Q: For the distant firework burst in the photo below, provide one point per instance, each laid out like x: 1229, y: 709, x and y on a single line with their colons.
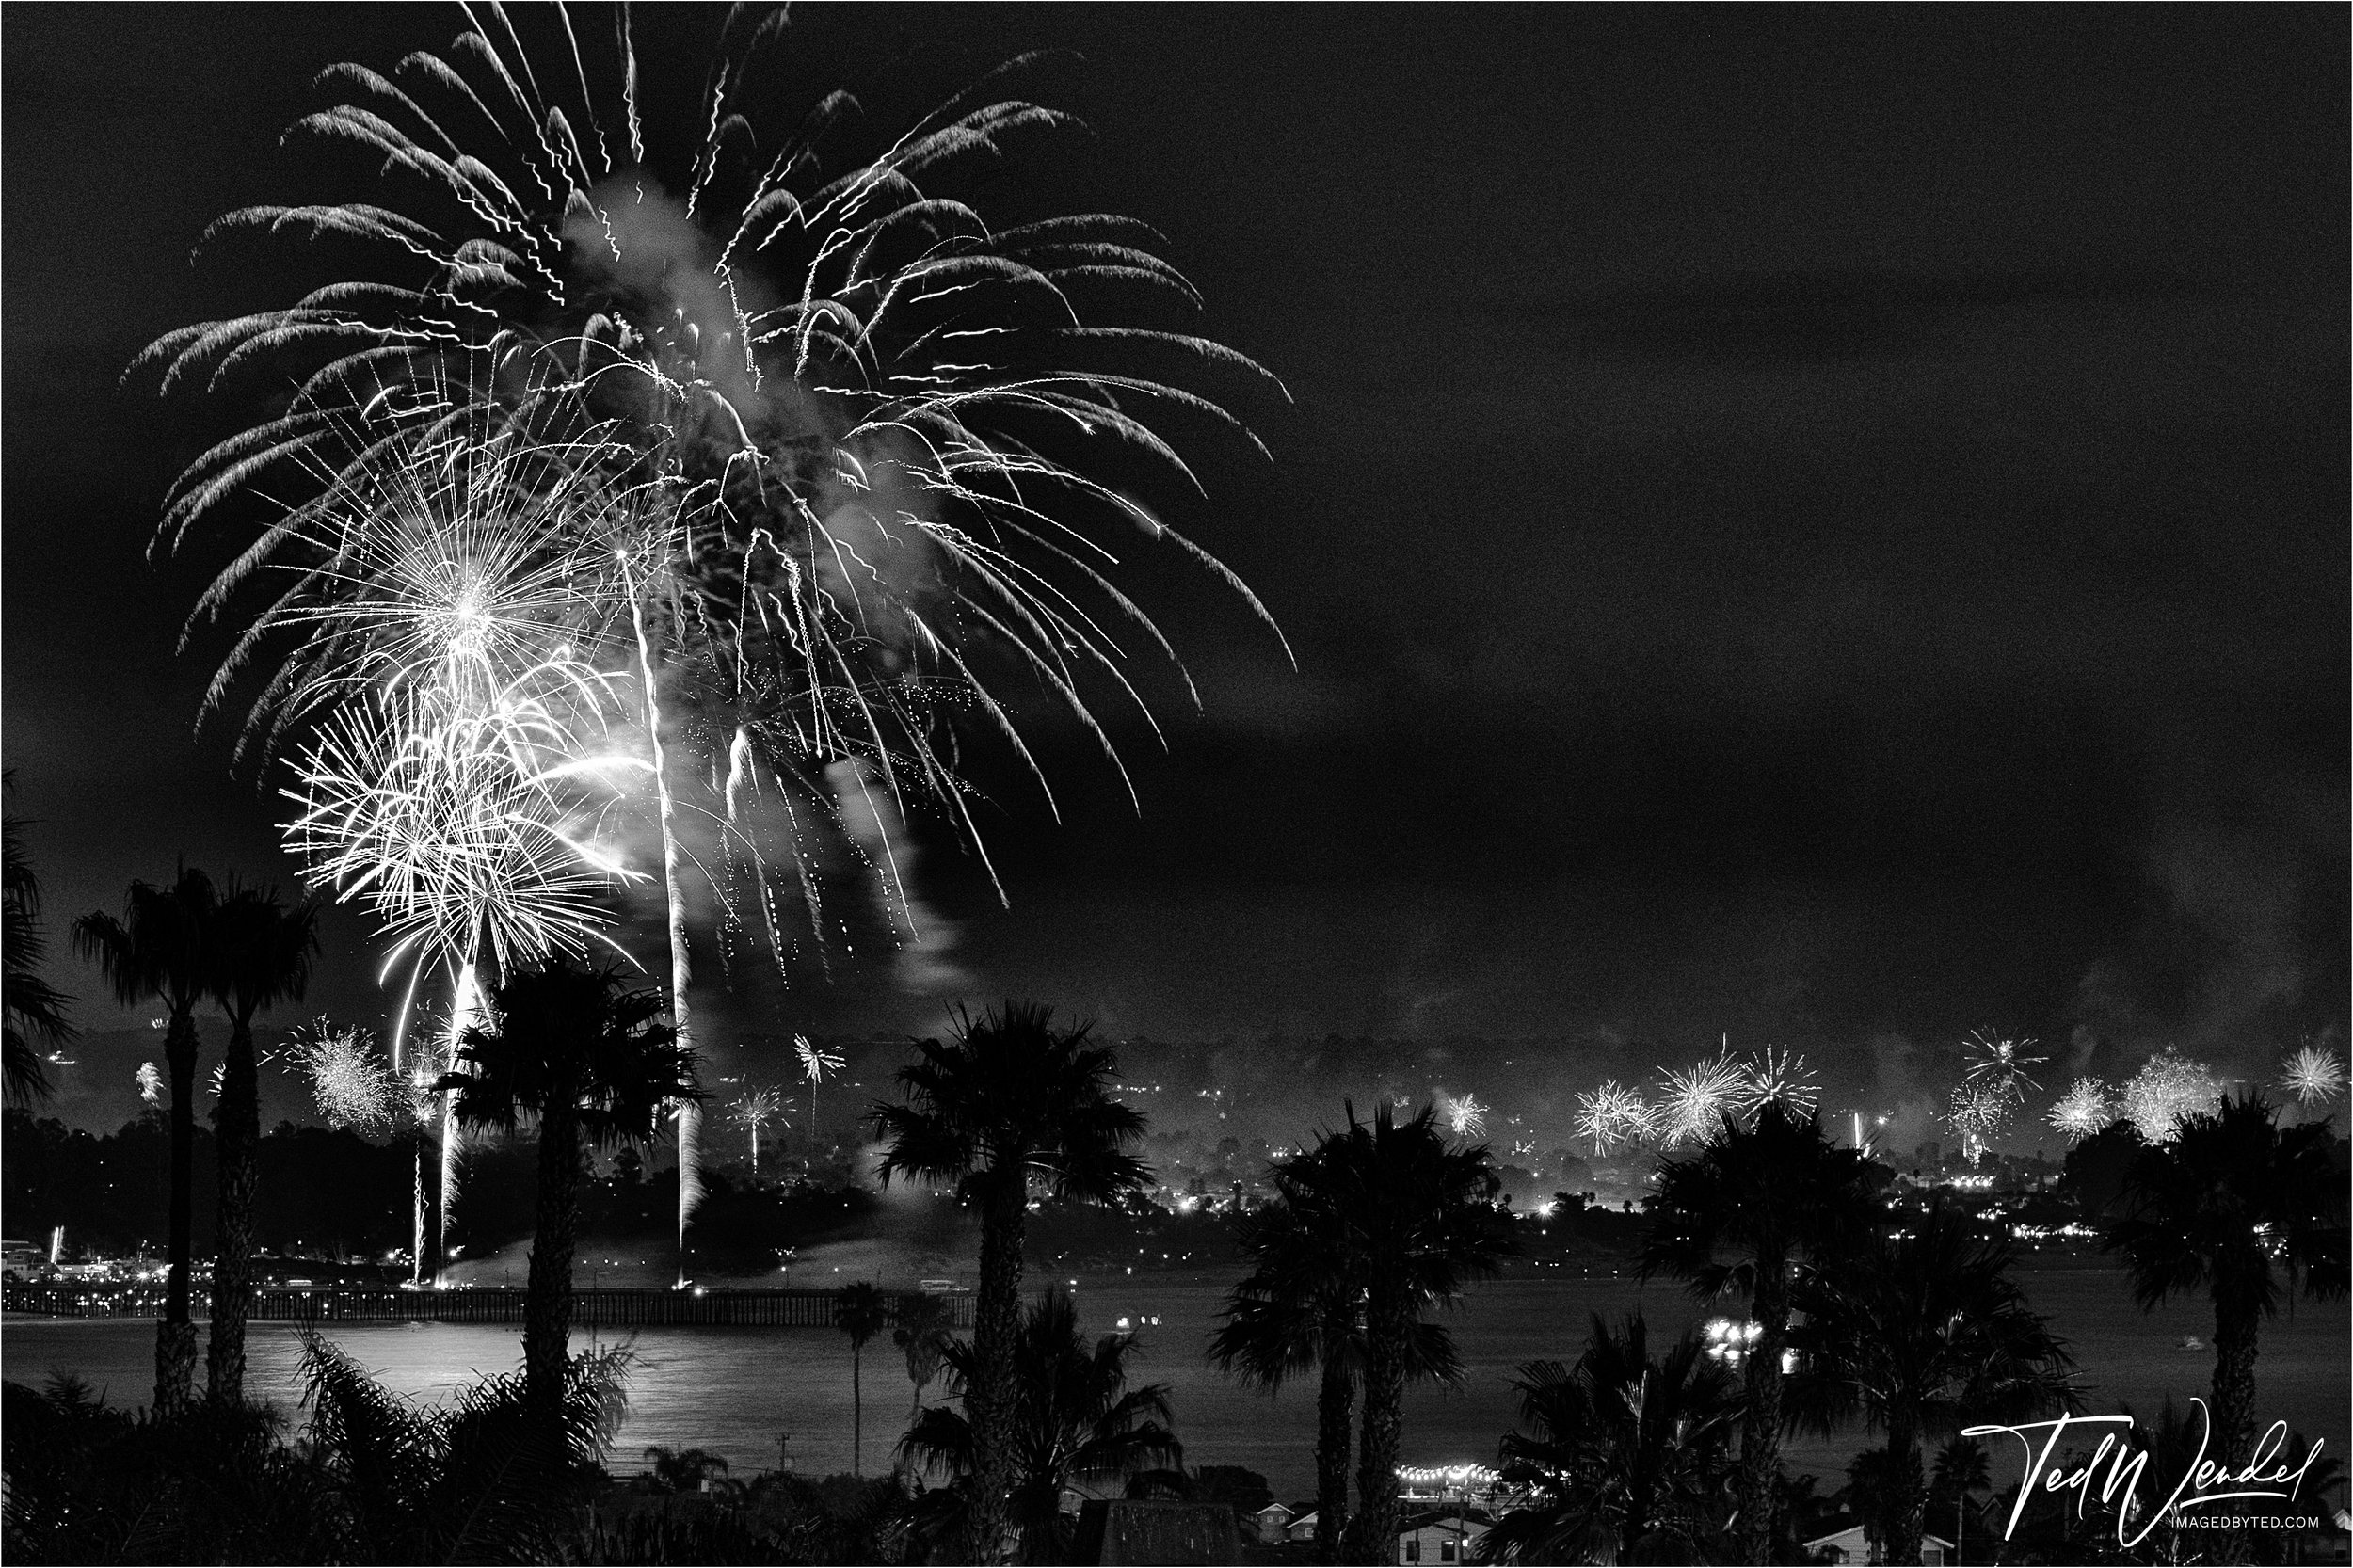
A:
x: 351, y: 1081
x: 2165, y: 1091
x: 2001, y: 1065
x: 1977, y: 1115
x: 1614, y: 1115
x: 2085, y: 1109
x: 150, y: 1082
x: 1465, y: 1115
x: 1777, y: 1076
x: 2315, y: 1075
x: 1694, y: 1101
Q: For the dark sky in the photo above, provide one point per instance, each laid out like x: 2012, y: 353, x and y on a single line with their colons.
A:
x: 1824, y: 525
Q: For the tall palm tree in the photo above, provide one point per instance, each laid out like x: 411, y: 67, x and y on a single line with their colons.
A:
x: 1072, y: 1417
x: 860, y: 1313
x: 1626, y: 1453
x: 1963, y: 1471
x: 2237, y: 1207
x: 1416, y: 1219
x: 921, y: 1332
x: 1304, y: 1307
x: 161, y: 949
x: 1916, y: 1333
x: 261, y: 956
x: 1007, y: 1103
x: 34, y: 1009
x: 1775, y: 1194
x: 593, y: 1064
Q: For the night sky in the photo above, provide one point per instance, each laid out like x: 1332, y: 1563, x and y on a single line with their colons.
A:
x: 1823, y: 524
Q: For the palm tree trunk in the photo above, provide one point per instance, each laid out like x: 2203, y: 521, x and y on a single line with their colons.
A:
x: 858, y: 1415
x: 1335, y: 1401
x: 989, y: 1404
x: 175, y: 1335
x: 1372, y: 1533
x: 547, y: 1299
x: 1907, y: 1498
x: 1760, y: 1426
x: 237, y: 1137
x: 2235, y: 1326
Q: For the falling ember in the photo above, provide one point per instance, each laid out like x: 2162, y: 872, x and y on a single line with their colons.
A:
x: 1613, y: 1116
x: 1465, y: 1116
x: 2085, y: 1109
x: 2314, y: 1076
x: 1777, y: 1076
x: 1692, y: 1103
x: 2164, y: 1092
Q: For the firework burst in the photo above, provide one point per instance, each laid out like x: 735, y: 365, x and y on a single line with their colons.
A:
x: 1777, y: 1076
x: 2165, y: 1091
x: 1694, y: 1101
x: 2315, y: 1075
x: 2001, y: 1065
x: 1976, y: 1114
x: 753, y: 1113
x: 352, y: 1083
x: 2084, y: 1110
x: 1465, y: 1116
x: 150, y: 1082
x: 1613, y: 1116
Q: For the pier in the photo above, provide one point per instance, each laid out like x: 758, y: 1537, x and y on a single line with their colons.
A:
x: 700, y: 1306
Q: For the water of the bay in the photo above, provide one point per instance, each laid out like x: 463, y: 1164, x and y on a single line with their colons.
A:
x: 737, y: 1392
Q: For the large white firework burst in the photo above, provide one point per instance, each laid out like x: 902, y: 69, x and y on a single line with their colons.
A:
x: 1777, y: 1076
x: 2167, y: 1090
x: 1613, y: 1116
x: 2315, y: 1075
x: 1462, y: 1113
x: 2086, y: 1108
x: 1693, y: 1101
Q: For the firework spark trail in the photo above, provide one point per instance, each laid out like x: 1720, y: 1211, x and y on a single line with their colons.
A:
x: 2165, y: 1091
x: 1614, y: 1114
x: 1693, y: 1102
x: 2085, y: 1109
x: 1777, y: 1076
x: 2315, y: 1075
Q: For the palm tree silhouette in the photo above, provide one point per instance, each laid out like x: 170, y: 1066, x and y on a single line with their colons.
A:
x: 1072, y: 1417
x: 34, y: 1009
x: 593, y: 1064
x: 1626, y: 1453
x: 860, y: 1312
x: 2237, y: 1207
x: 1302, y: 1306
x: 161, y: 948
x: 1916, y: 1333
x: 922, y: 1335
x: 1778, y: 1192
x: 261, y: 954
x: 1963, y: 1471
x: 1416, y: 1219
x: 1007, y: 1102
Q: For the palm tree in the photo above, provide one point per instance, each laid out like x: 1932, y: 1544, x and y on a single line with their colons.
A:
x: 922, y: 1336
x: 35, y: 1009
x: 261, y: 954
x: 1627, y: 1454
x: 161, y: 948
x: 1963, y: 1471
x: 2238, y: 1207
x: 1008, y: 1102
x: 593, y: 1064
x: 1778, y: 1192
x: 1916, y: 1333
x: 860, y: 1312
x: 1072, y: 1417
x: 1304, y: 1307
x: 1416, y: 1219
